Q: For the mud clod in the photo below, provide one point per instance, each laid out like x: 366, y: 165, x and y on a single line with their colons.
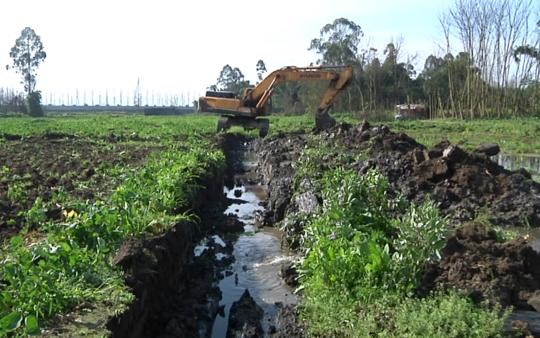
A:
x: 488, y: 149
x: 245, y: 318
x: 289, y: 274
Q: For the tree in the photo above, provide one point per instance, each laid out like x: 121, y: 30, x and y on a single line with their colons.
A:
x: 338, y: 43
x: 27, y: 54
x: 231, y: 79
x: 261, y: 69
x: 489, y: 32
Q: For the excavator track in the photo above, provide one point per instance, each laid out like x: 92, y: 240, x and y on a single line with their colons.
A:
x: 226, y: 122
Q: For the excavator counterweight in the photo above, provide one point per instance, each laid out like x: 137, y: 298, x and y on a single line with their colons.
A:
x: 248, y: 109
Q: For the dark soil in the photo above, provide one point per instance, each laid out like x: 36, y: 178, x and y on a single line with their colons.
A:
x: 45, y: 166
x: 475, y: 262
x: 245, y: 318
x: 466, y: 185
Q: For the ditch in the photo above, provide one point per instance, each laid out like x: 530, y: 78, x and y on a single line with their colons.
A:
x: 258, y: 257
x: 205, y: 295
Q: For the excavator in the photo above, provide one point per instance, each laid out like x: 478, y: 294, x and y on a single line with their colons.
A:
x: 246, y: 110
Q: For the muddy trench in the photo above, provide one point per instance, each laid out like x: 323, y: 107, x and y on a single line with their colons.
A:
x: 221, y: 277
x: 225, y: 275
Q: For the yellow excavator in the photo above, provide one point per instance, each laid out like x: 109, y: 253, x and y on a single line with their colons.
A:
x: 246, y: 110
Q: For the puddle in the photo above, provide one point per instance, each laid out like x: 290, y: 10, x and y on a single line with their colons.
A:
x: 531, y: 163
x: 258, y: 259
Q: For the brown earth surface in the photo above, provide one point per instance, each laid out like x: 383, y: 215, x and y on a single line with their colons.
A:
x: 475, y: 261
x: 45, y: 166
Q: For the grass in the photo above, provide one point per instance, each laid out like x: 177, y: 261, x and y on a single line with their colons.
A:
x: 330, y: 314
x: 514, y: 136
x: 160, y: 128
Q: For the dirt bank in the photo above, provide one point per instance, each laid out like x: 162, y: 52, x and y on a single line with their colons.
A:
x: 171, y: 291
x: 475, y: 261
x: 468, y: 186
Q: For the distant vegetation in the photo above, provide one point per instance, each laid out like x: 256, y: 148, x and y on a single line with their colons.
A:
x: 489, y: 66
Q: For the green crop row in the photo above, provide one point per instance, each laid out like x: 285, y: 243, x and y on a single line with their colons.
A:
x: 69, y: 262
x: 123, y: 127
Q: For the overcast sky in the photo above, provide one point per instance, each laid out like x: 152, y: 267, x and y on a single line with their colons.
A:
x: 179, y: 47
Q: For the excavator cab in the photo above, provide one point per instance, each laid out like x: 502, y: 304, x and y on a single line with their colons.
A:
x: 247, y: 110
x: 222, y: 94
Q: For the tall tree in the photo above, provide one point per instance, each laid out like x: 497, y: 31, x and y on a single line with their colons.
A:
x: 338, y: 43
x: 489, y: 32
x: 27, y: 54
x: 231, y: 79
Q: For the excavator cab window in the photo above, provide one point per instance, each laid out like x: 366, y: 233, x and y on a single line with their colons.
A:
x: 225, y: 95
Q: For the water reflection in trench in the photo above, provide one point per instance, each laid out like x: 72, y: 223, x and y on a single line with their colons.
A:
x: 258, y: 258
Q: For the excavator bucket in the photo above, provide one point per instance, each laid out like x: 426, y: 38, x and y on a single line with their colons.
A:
x: 323, y: 120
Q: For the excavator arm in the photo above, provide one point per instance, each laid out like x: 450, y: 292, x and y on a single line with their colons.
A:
x: 254, y: 101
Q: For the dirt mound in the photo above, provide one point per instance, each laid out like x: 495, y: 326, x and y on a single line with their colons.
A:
x: 276, y: 157
x: 474, y: 261
x: 466, y: 184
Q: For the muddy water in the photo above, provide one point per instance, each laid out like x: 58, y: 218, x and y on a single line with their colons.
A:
x: 514, y: 162
x: 258, y: 259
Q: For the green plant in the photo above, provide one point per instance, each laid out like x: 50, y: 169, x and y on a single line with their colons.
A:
x: 445, y: 315
x: 33, y: 104
x: 365, y: 255
x: 421, y: 234
x: 36, y: 214
x: 16, y: 192
x: 69, y: 260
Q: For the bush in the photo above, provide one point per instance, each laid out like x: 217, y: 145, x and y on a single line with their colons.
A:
x: 359, y: 243
x: 365, y: 254
x: 33, y: 104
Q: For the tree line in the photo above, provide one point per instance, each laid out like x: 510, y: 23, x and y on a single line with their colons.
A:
x: 495, y: 73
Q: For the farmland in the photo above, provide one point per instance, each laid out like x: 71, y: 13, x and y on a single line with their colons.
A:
x: 100, y: 217
x: 73, y: 190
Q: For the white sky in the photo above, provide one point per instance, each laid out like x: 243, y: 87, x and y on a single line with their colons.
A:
x: 179, y: 47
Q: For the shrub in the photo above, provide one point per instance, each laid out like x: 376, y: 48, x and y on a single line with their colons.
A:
x: 33, y: 104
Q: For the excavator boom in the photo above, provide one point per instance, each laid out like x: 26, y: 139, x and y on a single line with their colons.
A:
x: 247, y: 109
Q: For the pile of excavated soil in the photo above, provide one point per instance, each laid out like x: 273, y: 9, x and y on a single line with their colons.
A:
x: 474, y: 261
x: 468, y: 186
